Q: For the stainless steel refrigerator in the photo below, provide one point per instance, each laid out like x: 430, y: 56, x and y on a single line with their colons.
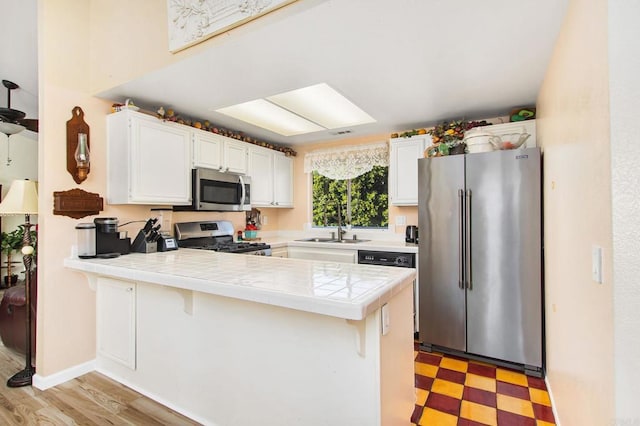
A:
x: 480, y: 256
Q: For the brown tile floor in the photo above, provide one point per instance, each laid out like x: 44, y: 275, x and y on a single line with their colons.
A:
x: 455, y: 391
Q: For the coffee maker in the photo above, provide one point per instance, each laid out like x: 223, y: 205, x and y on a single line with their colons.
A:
x: 108, y: 241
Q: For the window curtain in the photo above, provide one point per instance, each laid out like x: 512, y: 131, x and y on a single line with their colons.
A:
x: 347, y: 162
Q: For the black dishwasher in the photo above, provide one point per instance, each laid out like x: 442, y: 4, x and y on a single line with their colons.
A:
x: 387, y: 258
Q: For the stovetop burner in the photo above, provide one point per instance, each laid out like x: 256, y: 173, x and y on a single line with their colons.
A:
x: 216, y: 236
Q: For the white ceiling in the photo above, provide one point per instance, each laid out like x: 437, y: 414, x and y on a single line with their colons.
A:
x: 407, y: 63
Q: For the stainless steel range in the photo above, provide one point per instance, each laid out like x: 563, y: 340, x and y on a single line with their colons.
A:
x: 216, y: 235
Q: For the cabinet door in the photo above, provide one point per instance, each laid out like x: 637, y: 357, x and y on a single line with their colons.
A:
x: 207, y: 150
x: 261, y: 172
x: 116, y: 320
x: 160, y: 162
x: 283, y: 181
x: 235, y: 156
x: 403, y: 169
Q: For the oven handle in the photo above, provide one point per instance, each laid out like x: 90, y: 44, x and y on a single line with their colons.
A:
x: 244, y: 192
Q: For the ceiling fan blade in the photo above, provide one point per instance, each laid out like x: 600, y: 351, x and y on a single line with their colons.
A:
x: 30, y: 124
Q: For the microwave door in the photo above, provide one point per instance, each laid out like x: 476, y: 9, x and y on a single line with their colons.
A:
x: 243, y: 192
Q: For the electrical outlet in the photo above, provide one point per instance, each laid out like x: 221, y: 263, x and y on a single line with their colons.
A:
x: 401, y: 220
x: 385, y: 319
x: 596, y: 264
x: 265, y: 220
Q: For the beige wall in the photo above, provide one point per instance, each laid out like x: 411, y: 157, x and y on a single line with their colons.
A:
x: 573, y: 129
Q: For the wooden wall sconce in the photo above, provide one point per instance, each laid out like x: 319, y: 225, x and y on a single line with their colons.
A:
x: 78, y: 160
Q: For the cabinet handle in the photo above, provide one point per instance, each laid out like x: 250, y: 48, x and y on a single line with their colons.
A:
x: 129, y: 289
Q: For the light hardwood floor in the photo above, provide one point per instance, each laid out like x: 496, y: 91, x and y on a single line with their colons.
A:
x: 92, y: 399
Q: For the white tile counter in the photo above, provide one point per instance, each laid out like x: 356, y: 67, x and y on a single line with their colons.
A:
x: 336, y: 289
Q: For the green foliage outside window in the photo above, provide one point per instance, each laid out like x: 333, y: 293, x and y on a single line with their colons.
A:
x: 369, y: 200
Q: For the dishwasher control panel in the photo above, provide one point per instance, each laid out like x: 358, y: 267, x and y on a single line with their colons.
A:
x: 387, y: 258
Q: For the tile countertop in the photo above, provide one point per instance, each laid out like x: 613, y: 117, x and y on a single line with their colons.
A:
x: 375, y: 245
x: 343, y: 290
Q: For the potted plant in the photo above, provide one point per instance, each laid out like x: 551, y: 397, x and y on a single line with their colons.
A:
x: 11, y: 242
x: 447, y: 138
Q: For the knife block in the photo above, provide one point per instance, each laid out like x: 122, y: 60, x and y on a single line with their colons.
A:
x: 141, y: 245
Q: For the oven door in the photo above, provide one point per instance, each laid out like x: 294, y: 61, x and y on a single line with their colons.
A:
x: 217, y: 191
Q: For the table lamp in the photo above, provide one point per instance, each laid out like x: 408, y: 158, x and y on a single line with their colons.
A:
x: 22, y: 198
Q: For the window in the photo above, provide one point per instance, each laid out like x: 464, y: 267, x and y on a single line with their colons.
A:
x: 350, y: 185
x: 363, y: 200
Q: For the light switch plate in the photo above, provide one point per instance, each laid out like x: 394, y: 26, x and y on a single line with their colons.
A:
x: 596, y: 264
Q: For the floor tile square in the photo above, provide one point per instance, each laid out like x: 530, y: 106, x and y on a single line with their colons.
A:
x: 443, y: 403
x: 479, y: 396
x: 467, y: 422
x: 539, y: 396
x: 511, y: 419
x: 514, y: 405
x: 543, y: 412
x: 427, y: 370
x: 428, y: 358
x: 450, y: 375
x: 512, y: 390
x: 536, y: 382
x: 421, y: 396
x: 444, y: 387
x: 454, y: 364
x: 482, y: 370
x: 510, y: 376
x: 480, y: 382
x: 423, y: 382
x: 479, y: 413
x: 431, y: 417
x: 417, y: 413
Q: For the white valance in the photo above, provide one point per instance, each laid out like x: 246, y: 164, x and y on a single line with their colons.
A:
x: 347, y: 162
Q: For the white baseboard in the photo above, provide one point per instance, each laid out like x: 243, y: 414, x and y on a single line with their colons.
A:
x: 46, y: 382
x: 554, y: 407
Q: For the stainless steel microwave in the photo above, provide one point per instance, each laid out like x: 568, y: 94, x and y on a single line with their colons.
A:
x: 216, y: 191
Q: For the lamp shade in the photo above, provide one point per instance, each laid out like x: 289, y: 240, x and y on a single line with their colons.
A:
x: 22, y: 198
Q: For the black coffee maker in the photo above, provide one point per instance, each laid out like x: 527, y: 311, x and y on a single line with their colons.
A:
x: 108, y: 241
x: 411, y: 234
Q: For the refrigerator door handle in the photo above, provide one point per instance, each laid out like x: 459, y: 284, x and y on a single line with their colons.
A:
x: 468, y: 240
x: 461, y: 248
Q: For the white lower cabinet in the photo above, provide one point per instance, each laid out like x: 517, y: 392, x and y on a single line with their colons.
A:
x: 148, y: 160
x: 324, y: 254
x: 403, y: 169
x: 271, y: 175
x: 116, y: 320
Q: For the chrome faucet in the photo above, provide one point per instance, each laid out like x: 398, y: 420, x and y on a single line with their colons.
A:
x: 341, y: 231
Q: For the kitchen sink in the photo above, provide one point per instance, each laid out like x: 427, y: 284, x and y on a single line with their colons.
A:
x: 331, y: 240
x: 318, y: 240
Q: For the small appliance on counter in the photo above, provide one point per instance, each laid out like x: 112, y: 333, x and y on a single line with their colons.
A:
x: 411, y: 234
x: 108, y: 241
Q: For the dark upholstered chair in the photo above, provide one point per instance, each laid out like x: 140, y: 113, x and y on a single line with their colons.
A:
x: 13, y: 318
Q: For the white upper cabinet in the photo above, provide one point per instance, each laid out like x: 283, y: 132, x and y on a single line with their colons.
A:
x: 403, y: 169
x: 218, y: 152
x: 283, y: 180
x: 271, y: 175
x: 148, y: 161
